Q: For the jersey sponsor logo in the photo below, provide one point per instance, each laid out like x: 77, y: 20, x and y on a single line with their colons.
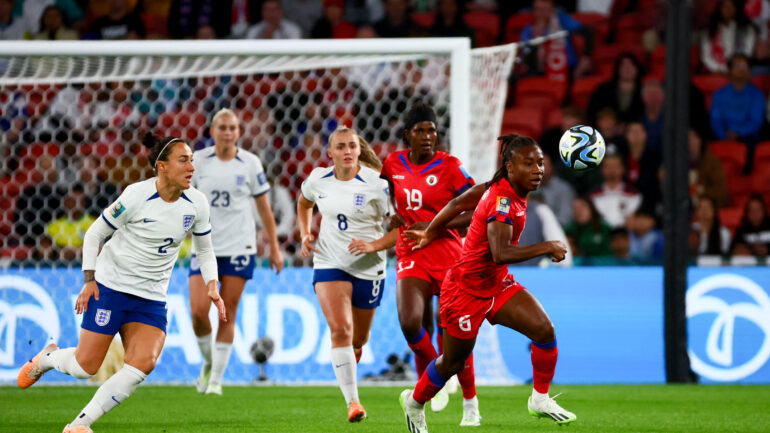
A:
x: 358, y: 201
x: 261, y: 179
x: 431, y: 180
x: 503, y: 204
x: 464, y: 323
x: 102, y: 317
x: 187, y: 221
x: 398, y: 176
x: 240, y: 180
x: 520, y: 213
x: 117, y: 209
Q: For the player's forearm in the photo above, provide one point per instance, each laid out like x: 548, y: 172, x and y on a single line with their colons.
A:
x: 451, y: 216
x: 461, y: 221
x: 89, y: 276
x: 519, y: 253
x: 304, y: 216
x: 387, y: 241
x: 268, y: 222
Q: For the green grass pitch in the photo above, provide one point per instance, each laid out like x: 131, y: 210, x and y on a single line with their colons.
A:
x: 613, y: 408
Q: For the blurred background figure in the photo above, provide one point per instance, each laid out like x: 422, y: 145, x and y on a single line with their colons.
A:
x: 708, y: 237
x: 753, y: 235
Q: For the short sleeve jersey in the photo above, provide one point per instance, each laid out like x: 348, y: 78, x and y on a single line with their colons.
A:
x: 140, y: 256
x: 230, y: 187
x: 349, y: 209
x: 476, y: 268
x: 420, y: 192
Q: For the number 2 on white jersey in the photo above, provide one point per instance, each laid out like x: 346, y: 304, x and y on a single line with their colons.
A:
x: 413, y: 199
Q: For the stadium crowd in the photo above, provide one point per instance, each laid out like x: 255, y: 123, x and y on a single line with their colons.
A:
x: 67, y: 151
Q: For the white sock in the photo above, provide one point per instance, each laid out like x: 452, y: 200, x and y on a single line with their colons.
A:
x: 344, y: 363
x: 472, y: 403
x: 538, y: 396
x: 204, y: 344
x: 219, y: 360
x: 64, y: 361
x: 112, y: 392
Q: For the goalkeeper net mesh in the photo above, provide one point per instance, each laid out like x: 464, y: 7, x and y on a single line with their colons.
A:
x: 71, y: 141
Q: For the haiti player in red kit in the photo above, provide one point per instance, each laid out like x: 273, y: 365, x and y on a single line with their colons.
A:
x: 479, y: 286
x: 423, y: 180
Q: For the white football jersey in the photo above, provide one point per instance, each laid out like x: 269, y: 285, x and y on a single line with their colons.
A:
x: 140, y: 256
x: 231, y: 187
x: 349, y: 209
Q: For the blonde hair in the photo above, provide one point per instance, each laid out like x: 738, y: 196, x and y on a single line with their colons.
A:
x: 367, y: 157
x: 222, y: 113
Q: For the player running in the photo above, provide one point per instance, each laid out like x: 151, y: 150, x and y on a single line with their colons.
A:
x: 126, y: 284
x: 422, y: 181
x: 231, y: 178
x: 348, y: 273
x: 479, y: 287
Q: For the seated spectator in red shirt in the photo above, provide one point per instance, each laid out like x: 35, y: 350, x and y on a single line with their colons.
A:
x: 753, y: 235
x: 332, y: 24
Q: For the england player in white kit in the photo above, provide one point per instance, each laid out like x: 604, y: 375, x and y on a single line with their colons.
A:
x: 126, y: 284
x: 232, y: 180
x: 348, y: 275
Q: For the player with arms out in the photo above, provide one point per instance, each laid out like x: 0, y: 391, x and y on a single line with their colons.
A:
x: 126, y: 284
x: 349, y: 257
x: 231, y: 178
x: 422, y: 181
x: 479, y: 287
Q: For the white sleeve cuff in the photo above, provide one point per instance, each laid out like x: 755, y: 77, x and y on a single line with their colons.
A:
x: 206, y: 258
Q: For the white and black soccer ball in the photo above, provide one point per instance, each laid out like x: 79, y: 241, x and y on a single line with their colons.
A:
x: 581, y: 148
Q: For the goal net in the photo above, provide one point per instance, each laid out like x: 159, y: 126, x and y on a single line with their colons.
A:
x: 73, y: 114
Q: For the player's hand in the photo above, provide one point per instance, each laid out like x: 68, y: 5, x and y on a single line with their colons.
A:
x: 418, y: 239
x: 358, y: 247
x: 395, y: 221
x: 276, y: 260
x: 89, y: 289
x: 307, y: 245
x: 216, y: 299
x: 558, y: 251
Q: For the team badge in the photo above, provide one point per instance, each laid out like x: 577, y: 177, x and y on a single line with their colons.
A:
x: 261, y: 179
x: 503, y: 204
x: 117, y: 209
x: 102, y: 317
x: 358, y: 201
x: 240, y: 180
x: 187, y: 221
x: 431, y: 179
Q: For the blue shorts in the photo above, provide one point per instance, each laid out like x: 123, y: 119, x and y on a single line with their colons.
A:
x: 366, y: 293
x: 237, y: 266
x: 114, y: 308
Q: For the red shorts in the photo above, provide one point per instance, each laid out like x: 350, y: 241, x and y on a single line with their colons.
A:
x: 410, y: 267
x: 462, y: 313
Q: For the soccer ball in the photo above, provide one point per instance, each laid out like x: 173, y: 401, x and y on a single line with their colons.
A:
x: 581, y: 148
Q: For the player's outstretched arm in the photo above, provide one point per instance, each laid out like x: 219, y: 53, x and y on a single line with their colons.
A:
x: 358, y: 246
x: 96, y: 233
x: 304, y: 217
x: 504, y: 252
x: 268, y: 222
x: 204, y: 248
x: 451, y: 216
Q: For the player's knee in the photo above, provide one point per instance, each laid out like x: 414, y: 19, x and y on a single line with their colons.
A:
x: 342, y: 334
x: 90, y: 366
x: 544, y: 332
x: 411, y: 328
x: 449, y: 367
x: 144, y: 362
x: 360, y: 340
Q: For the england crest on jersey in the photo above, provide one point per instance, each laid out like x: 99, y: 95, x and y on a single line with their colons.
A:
x: 102, y: 317
x: 359, y: 200
x: 240, y: 180
x: 187, y: 221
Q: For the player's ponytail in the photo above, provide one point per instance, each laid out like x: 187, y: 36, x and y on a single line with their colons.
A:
x: 159, y: 148
x: 510, y: 143
x: 368, y: 157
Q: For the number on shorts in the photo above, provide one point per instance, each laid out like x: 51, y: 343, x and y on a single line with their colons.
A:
x: 162, y: 249
x: 342, y: 222
x: 413, y: 199
x: 465, y: 323
x: 376, y: 288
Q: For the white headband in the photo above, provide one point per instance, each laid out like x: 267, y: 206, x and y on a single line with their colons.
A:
x: 164, y: 148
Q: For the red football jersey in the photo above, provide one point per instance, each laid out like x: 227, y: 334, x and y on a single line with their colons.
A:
x: 421, y: 191
x: 480, y: 275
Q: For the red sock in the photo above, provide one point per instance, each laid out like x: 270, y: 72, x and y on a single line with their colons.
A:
x: 424, y: 352
x: 467, y: 379
x: 543, y: 365
x: 429, y: 384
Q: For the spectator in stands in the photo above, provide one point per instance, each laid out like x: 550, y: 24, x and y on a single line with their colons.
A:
x: 32, y: 11
x: 623, y: 93
x: 556, y: 58
x: 708, y: 236
x: 206, y: 32
x: 612, y: 131
x: 558, y: 193
x: 332, y: 24
x: 121, y: 22
x: 549, y: 141
x: 738, y: 109
x: 588, y: 234
x: 273, y: 25
x: 653, y: 97
x: 14, y: 117
x: 11, y: 27
x: 729, y: 32
x: 45, y: 252
x: 99, y: 191
x: 615, y: 199
x: 542, y: 226
x: 706, y: 175
x: 646, y: 241
x: 306, y: 13
x: 53, y: 27
x: 39, y: 204
x: 68, y: 230
x: 186, y: 18
x: 364, y: 12
x: 642, y: 164
x: 620, y: 244
x: 753, y: 235
x: 449, y: 21
x: 397, y: 22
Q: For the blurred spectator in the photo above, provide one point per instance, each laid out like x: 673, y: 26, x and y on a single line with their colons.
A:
x: 614, y: 199
x: 612, y: 131
x: 99, y: 192
x: 366, y: 32
x: 52, y: 26
x: 620, y: 244
x: 306, y: 13
x: 708, y: 236
x: 396, y: 23
x: 646, y: 241
x: 11, y: 27
x: 186, y: 19
x: 549, y: 141
x: 45, y: 252
x: 68, y: 230
x: 556, y: 58
x: 706, y: 175
x: 273, y: 25
x: 653, y: 97
x: 758, y: 11
x: 14, y: 117
x: 558, y: 194
x: 449, y: 21
x: 753, y: 235
x: 729, y: 32
x: 588, y: 234
x: 331, y: 25
x: 738, y: 109
x: 206, y: 32
x: 364, y: 12
x: 623, y: 93
x: 597, y: 6
x: 121, y: 22
x: 542, y: 226
x: 39, y: 204
x: 642, y: 163
x: 485, y: 5
x: 32, y: 12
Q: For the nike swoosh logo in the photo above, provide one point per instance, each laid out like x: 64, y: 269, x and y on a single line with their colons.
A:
x: 147, y: 220
x: 341, y: 365
x: 115, y: 399
x: 371, y: 301
x: 320, y: 196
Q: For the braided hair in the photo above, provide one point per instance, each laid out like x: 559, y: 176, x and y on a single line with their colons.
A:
x: 510, y: 143
x: 160, y: 148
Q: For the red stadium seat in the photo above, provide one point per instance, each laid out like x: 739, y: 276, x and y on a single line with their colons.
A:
x: 763, y: 82
x: 545, y: 103
x: 553, y: 118
x: 524, y: 121
x: 708, y: 84
x: 730, y: 217
x: 542, y: 86
x: 424, y: 19
x: 762, y: 159
x: 598, y: 22
x: 486, y: 26
x: 515, y: 25
x: 732, y: 154
x: 583, y: 88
